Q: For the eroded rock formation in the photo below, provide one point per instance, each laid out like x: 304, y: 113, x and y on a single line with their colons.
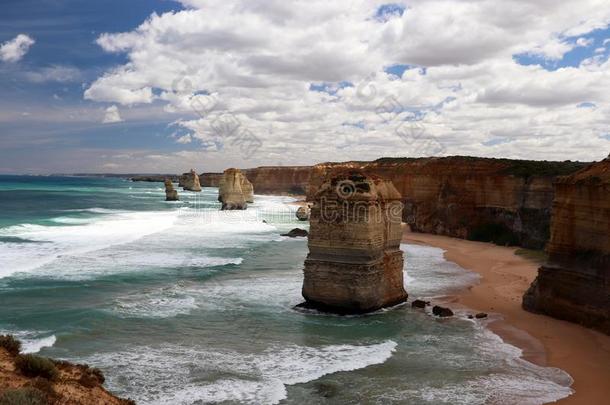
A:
x: 495, y: 200
x: 190, y: 181
x: 234, y: 190
x: 170, y: 193
x: 575, y: 282
x: 354, y: 264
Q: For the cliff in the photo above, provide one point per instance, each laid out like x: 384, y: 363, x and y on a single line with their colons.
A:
x: 575, y: 282
x: 31, y: 379
x: 190, y: 181
x: 354, y: 264
x: 494, y: 200
x: 234, y: 190
x: 270, y: 179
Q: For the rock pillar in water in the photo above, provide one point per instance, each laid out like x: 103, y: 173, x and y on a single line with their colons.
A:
x: 574, y: 284
x: 190, y: 181
x: 354, y: 264
x: 170, y: 193
x: 234, y: 190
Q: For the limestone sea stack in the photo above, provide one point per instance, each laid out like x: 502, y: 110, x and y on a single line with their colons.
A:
x: 354, y: 264
x: 234, y: 190
x: 190, y: 181
x: 574, y: 284
x: 170, y: 193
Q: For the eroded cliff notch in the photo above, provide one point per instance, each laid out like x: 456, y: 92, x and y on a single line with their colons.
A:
x: 354, y: 264
x: 234, y: 190
x: 575, y: 282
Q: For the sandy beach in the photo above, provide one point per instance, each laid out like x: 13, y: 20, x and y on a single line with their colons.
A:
x: 505, y: 276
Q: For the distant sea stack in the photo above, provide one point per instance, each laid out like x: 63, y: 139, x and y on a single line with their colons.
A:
x: 234, y: 190
x: 354, y: 264
x: 170, y: 193
x: 190, y: 181
x: 574, y: 284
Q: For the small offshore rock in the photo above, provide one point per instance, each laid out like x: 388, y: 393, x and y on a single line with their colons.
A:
x: 296, y: 233
x: 442, y: 311
x: 481, y: 315
x: 420, y: 304
x: 303, y: 214
x: 470, y: 316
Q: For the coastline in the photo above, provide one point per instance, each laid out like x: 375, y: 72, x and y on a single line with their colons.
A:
x: 505, y: 276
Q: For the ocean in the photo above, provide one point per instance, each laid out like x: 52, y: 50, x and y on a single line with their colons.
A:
x: 179, y: 303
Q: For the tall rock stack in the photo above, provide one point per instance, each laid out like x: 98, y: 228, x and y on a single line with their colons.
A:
x: 170, y: 193
x: 354, y: 264
x: 575, y: 282
x: 190, y: 181
x: 234, y: 190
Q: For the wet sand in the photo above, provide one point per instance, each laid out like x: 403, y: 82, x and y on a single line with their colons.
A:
x: 505, y: 276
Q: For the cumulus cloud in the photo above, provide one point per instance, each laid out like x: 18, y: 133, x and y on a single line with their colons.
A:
x: 309, y: 76
x: 15, y: 49
x: 112, y: 115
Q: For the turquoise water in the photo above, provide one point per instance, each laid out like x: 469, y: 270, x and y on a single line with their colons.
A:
x: 179, y: 303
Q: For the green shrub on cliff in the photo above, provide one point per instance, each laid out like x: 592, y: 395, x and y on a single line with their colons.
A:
x: 31, y: 365
x: 23, y: 396
x: 10, y: 344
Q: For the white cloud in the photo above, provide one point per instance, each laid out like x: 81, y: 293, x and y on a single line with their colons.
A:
x: 585, y: 42
x: 251, y: 64
x: 56, y: 73
x: 112, y: 115
x: 16, y: 48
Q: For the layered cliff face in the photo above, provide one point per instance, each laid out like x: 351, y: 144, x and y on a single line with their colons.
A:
x: 234, y: 190
x: 170, y: 193
x: 354, y: 263
x: 496, y: 200
x: 575, y: 282
x: 190, y: 181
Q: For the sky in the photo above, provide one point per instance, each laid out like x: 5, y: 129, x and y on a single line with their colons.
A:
x: 153, y: 86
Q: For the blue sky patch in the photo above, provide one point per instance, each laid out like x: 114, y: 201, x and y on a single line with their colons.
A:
x: 329, y: 88
x: 585, y: 46
x: 399, y: 69
x: 388, y: 11
x: 587, y: 105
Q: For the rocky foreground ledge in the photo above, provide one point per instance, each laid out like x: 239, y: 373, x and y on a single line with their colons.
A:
x: 35, y: 380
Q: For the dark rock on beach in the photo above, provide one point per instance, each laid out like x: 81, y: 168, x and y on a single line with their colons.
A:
x: 420, y: 304
x: 442, y: 311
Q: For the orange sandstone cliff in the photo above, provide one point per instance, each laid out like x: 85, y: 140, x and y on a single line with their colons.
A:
x: 575, y: 282
x: 496, y: 200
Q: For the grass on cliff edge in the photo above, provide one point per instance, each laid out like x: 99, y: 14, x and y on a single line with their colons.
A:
x: 538, y: 256
x: 31, y: 365
x: 10, y: 344
x: 23, y: 396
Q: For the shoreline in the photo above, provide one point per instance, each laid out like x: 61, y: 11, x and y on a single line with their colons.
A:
x: 581, y: 352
